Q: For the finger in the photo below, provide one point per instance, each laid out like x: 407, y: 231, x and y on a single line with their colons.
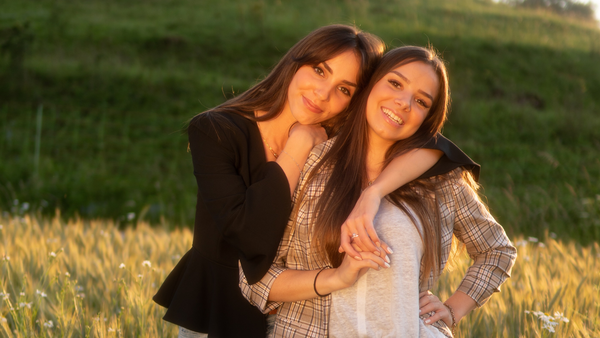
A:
x: 424, y: 293
x: 366, y: 244
x: 386, y: 248
x: 437, y: 316
x: 431, y: 307
x: 373, y: 257
x: 356, y: 247
x: 345, y: 243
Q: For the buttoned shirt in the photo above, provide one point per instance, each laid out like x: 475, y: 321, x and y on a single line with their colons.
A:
x: 462, y: 214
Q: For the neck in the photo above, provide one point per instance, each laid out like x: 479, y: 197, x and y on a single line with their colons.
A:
x: 375, y: 157
x: 275, y: 131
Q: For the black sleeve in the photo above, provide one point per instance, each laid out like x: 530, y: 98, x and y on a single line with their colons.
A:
x: 250, y: 216
x: 453, y: 158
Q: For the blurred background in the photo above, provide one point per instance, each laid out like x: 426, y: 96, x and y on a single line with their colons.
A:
x: 94, y: 96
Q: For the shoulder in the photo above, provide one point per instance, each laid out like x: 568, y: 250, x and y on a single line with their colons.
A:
x: 317, y: 153
x: 221, y: 124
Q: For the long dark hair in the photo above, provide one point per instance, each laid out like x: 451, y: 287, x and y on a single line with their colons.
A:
x: 322, y: 44
x: 345, y: 163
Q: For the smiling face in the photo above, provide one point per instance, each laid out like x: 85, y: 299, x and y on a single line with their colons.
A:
x: 400, y: 101
x: 320, y: 92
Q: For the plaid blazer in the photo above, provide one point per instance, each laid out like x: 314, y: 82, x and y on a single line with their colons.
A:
x: 462, y: 215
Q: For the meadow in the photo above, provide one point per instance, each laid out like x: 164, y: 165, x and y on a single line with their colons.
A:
x: 90, y: 279
x: 95, y: 94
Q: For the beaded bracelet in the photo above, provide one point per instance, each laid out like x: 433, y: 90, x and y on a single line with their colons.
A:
x: 315, y: 283
x: 453, y: 318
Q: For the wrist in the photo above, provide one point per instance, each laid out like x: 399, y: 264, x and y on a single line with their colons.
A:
x: 375, y: 190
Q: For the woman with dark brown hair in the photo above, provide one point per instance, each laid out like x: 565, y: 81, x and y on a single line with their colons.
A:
x: 403, y: 107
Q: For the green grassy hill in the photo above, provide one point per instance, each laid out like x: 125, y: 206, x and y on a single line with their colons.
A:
x: 94, y: 95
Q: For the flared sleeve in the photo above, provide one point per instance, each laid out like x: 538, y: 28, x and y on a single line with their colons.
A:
x: 249, y: 210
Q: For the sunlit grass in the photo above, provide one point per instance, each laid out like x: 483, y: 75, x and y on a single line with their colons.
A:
x: 89, y: 279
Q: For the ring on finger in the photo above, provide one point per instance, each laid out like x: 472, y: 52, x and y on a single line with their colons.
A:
x: 354, y: 235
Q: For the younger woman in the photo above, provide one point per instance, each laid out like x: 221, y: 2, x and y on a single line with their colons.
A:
x: 403, y: 107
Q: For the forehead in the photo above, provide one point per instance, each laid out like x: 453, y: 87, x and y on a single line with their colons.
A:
x: 419, y: 74
x: 345, y: 65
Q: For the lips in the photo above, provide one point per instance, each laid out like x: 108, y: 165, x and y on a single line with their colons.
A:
x: 311, y: 106
x: 392, y: 116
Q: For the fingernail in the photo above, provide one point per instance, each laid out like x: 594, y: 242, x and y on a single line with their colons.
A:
x: 386, y: 265
x: 389, y: 250
x: 426, y: 321
x: 387, y: 259
x: 378, y: 268
x: 419, y: 310
x: 377, y: 253
x: 358, y: 258
x: 378, y: 244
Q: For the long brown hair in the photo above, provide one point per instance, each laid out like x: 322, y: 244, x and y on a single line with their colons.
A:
x: 322, y: 44
x: 345, y: 164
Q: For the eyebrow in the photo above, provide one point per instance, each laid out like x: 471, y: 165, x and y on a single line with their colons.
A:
x: 408, y: 81
x: 331, y: 72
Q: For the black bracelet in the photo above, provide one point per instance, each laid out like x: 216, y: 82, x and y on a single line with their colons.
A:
x: 315, y: 283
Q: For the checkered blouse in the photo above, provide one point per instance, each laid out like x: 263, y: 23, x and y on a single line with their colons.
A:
x: 462, y: 214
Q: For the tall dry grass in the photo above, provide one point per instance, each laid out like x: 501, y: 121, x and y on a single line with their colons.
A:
x: 90, y: 279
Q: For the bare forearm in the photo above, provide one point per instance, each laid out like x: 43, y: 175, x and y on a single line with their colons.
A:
x: 404, y: 169
x: 296, y: 285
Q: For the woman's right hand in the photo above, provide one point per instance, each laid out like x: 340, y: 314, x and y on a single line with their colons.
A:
x: 311, y: 133
x: 351, y: 269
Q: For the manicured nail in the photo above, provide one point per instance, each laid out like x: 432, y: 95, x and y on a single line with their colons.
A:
x: 358, y: 258
x: 386, y: 265
x: 387, y: 259
x: 389, y: 250
x: 426, y: 321
x: 377, y: 253
x: 419, y: 310
x: 378, y: 244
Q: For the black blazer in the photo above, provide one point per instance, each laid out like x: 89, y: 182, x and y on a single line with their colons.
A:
x: 242, y: 208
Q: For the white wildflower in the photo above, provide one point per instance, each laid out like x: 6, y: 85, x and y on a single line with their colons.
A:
x: 41, y: 293
x: 0, y: 226
x: 532, y: 239
x: 140, y: 276
x: 553, y: 235
x: 21, y: 305
x: 122, y: 266
x: 175, y: 257
x: 67, y: 274
x: 130, y: 216
x: 24, y: 207
x: 521, y: 242
x: 6, y: 258
x: 49, y: 324
x: 81, y: 295
x: 96, y: 319
x: 78, y: 288
x: 4, y: 295
x: 110, y: 329
x: 147, y: 263
x: 541, y: 245
x: 22, y: 294
x: 2, y: 319
x: 52, y: 254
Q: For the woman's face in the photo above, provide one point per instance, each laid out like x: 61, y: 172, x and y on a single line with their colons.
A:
x: 318, y: 93
x: 400, y: 101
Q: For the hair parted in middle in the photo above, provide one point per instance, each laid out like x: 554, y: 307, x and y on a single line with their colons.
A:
x: 320, y: 45
x: 344, y: 166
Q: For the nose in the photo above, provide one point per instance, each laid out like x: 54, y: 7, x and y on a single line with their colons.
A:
x: 404, y: 102
x: 323, y: 91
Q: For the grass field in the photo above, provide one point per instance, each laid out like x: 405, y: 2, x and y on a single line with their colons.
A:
x: 90, y: 279
x: 94, y: 95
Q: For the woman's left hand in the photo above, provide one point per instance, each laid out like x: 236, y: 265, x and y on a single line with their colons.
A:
x: 429, y: 302
x: 358, y: 229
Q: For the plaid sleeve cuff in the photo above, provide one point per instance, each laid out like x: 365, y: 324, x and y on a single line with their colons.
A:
x: 258, y: 293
